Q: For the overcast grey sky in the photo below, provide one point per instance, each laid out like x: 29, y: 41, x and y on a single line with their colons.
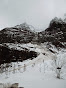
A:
x: 35, y: 12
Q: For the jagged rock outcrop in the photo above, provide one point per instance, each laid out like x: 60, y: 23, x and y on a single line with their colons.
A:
x: 55, y: 33
x: 21, y: 34
x: 24, y: 33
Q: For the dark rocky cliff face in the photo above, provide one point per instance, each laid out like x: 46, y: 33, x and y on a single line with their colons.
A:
x: 20, y: 34
x: 8, y: 55
x: 55, y: 33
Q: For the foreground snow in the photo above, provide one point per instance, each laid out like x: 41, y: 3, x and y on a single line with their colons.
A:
x: 35, y: 77
x: 38, y: 73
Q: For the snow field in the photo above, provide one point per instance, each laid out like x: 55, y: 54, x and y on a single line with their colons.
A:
x: 38, y: 73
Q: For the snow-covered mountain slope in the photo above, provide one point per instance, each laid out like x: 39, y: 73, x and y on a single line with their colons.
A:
x: 42, y: 63
x: 25, y: 25
x: 37, y: 73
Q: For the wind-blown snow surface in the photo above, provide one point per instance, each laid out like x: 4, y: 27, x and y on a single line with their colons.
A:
x: 37, y: 73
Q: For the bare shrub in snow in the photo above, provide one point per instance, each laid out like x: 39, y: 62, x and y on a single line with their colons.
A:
x: 24, y: 67
x: 44, y: 65
x: 14, y: 68
x: 40, y: 68
x: 59, y: 63
x: 33, y: 64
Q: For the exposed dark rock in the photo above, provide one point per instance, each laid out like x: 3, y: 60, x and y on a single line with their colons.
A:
x: 55, y: 33
x: 52, y: 51
x: 8, y: 55
x: 20, y: 34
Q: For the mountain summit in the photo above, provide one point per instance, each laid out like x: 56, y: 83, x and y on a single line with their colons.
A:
x: 21, y: 33
x: 55, y: 33
x: 24, y: 33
